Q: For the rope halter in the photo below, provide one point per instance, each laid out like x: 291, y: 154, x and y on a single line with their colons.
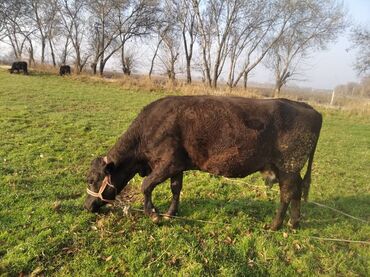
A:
x: 106, y: 182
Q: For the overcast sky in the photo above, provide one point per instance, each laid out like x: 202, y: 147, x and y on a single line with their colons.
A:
x: 332, y: 67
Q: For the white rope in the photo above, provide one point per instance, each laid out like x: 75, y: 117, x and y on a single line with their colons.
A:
x: 338, y: 211
x: 339, y: 240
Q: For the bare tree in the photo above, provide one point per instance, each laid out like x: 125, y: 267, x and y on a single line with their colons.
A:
x: 260, y: 24
x: 103, y: 42
x: 170, y: 46
x: 183, y: 13
x: 54, y: 28
x: 312, y: 25
x: 361, y: 39
x: 16, y: 25
x: 169, y: 31
x: 40, y: 16
x: 134, y: 19
x: 215, y: 21
x: 72, y: 14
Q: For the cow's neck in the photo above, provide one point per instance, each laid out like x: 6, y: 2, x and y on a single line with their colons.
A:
x: 125, y: 149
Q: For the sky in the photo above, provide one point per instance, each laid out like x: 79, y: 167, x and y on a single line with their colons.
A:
x: 332, y: 67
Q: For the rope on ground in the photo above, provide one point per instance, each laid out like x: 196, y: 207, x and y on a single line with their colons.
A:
x: 338, y: 240
x: 338, y: 211
x: 313, y: 202
x: 127, y: 208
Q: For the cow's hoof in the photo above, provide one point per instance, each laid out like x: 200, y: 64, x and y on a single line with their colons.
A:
x: 274, y: 227
x: 168, y: 216
x: 294, y: 225
x: 155, y: 218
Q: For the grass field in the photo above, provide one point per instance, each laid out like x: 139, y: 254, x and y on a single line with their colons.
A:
x: 52, y: 127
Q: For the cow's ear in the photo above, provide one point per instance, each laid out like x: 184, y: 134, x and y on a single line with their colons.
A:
x: 109, y: 167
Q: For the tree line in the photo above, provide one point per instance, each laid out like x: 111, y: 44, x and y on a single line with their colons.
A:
x: 213, y: 37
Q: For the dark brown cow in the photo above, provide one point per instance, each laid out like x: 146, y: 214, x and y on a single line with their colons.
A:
x: 64, y: 70
x: 19, y: 66
x: 227, y: 136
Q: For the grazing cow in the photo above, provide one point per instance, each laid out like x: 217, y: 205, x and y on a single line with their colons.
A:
x: 226, y: 136
x: 17, y: 66
x: 64, y: 69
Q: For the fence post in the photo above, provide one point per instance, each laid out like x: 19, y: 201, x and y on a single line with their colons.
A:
x: 332, y: 98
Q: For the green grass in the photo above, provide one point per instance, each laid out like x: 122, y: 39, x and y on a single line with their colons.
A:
x: 52, y: 127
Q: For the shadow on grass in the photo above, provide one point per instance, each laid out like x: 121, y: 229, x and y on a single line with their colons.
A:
x: 313, y: 216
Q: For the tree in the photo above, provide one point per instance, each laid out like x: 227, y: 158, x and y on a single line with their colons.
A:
x: 258, y: 27
x: 184, y: 14
x: 135, y: 19
x: 312, y: 25
x: 361, y: 40
x: 72, y: 13
x: 215, y: 22
x: 169, y: 33
x: 103, y: 42
x: 16, y: 26
x: 44, y: 15
x: 171, y: 45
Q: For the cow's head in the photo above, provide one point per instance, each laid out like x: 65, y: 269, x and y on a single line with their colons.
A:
x: 101, y: 188
x: 106, y: 180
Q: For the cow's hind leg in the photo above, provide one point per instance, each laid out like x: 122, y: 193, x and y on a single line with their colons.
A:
x: 289, y: 183
x: 176, y: 186
x: 295, y: 204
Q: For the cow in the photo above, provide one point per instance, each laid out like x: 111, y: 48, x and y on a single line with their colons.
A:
x: 17, y: 66
x: 224, y: 136
x: 64, y: 69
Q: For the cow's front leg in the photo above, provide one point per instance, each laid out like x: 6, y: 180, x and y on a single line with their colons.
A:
x: 157, y: 176
x: 147, y: 188
x: 176, y: 186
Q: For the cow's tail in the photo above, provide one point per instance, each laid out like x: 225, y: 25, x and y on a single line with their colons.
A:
x: 307, y: 177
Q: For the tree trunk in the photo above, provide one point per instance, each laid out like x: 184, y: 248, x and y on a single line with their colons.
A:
x: 52, y: 53
x: 31, y: 58
x: 101, y: 68
x: 207, y: 72
x: 277, y: 90
x: 153, y: 59
x: 245, y: 81
x: 93, y: 67
x: 188, y: 70
x: 65, y: 50
x: 125, y: 68
x: 78, y: 62
x: 43, y: 45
